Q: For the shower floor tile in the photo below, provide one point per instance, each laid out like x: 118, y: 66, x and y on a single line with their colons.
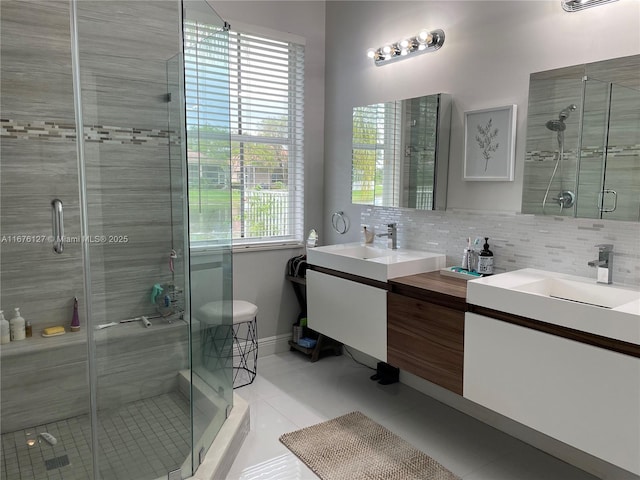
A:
x: 142, y: 440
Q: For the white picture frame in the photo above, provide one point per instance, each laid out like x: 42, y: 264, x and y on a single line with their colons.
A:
x: 490, y: 144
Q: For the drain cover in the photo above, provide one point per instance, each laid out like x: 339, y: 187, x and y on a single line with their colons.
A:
x: 57, y: 462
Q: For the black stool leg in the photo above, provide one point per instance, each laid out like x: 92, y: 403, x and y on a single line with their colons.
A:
x: 246, y: 351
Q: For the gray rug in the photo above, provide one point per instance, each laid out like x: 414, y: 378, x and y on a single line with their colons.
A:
x: 354, y: 447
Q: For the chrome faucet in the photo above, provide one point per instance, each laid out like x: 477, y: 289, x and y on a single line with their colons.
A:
x: 392, y: 234
x: 604, y: 263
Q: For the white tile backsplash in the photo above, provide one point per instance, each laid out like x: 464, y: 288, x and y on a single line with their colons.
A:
x: 517, y: 241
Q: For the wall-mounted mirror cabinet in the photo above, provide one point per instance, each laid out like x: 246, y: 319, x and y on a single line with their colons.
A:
x: 583, y: 141
x: 400, y: 153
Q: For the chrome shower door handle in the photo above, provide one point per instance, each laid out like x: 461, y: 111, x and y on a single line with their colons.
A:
x: 601, y: 200
x: 57, y: 225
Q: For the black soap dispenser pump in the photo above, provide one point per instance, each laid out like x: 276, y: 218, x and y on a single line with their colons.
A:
x: 485, y: 259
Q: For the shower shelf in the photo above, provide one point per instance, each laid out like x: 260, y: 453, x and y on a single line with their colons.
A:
x: 37, y: 343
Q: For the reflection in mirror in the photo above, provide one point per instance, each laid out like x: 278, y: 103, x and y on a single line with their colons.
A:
x: 400, y: 153
x: 312, y: 238
x: 583, y: 141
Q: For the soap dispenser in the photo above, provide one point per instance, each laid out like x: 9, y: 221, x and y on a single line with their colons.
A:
x: 5, y: 336
x: 485, y: 259
x: 17, y: 326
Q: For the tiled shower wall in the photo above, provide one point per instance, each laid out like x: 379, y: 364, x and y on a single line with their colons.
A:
x: 125, y: 113
x: 36, y: 87
x: 517, y: 241
x: 124, y: 50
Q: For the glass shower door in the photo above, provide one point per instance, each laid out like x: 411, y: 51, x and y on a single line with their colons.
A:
x: 609, y: 158
x: 621, y: 186
x: 208, y: 188
x: 45, y: 397
x: 138, y: 338
x: 593, y: 138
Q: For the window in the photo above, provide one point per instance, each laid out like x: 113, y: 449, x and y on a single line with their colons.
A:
x: 265, y: 177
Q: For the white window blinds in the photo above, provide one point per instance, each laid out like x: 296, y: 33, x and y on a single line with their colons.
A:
x: 267, y: 107
x: 266, y: 84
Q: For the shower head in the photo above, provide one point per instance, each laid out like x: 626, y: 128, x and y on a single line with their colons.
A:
x: 565, y: 112
x: 556, y: 125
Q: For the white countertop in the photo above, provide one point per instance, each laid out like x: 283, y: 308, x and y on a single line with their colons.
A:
x: 373, y: 262
x: 527, y: 293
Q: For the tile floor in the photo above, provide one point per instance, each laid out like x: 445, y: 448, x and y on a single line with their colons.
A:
x: 140, y: 440
x: 291, y: 393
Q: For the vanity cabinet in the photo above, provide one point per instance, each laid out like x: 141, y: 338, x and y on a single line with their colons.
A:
x: 581, y: 394
x: 353, y: 312
x: 425, y: 327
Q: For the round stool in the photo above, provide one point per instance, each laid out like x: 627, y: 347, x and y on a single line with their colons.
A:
x: 238, y: 341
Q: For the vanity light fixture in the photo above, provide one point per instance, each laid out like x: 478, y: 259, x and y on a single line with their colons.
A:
x: 424, y: 41
x: 576, y: 5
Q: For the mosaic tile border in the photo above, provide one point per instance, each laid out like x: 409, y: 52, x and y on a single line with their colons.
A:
x: 613, y: 151
x: 44, y: 130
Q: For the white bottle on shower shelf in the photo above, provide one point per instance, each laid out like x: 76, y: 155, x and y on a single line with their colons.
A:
x: 5, y: 336
x: 16, y: 326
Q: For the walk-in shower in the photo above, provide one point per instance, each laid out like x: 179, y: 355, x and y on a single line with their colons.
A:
x: 565, y: 198
x: 94, y: 135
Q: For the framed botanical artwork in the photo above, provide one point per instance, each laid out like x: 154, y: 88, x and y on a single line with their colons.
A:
x: 489, y: 144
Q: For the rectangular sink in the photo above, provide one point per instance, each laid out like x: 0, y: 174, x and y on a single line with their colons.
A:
x: 575, y: 302
x: 373, y: 262
x: 363, y: 252
x: 580, y: 292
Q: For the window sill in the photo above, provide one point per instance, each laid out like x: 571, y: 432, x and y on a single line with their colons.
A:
x: 205, y: 250
x: 258, y: 247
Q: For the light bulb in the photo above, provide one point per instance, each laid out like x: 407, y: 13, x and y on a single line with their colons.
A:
x: 386, y: 49
x: 404, y: 43
x: 371, y: 53
x: 425, y: 38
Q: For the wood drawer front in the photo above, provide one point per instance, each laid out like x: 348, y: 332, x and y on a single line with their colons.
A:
x: 427, y: 340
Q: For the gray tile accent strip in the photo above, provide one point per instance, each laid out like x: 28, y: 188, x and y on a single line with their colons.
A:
x: 612, y: 151
x: 44, y: 130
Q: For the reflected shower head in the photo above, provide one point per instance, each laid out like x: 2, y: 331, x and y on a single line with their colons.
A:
x: 565, y: 112
x: 556, y: 125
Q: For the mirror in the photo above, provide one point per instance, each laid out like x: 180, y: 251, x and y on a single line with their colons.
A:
x: 583, y: 141
x: 400, y: 153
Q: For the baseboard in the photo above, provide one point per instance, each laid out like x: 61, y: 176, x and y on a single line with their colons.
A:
x: 273, y: 345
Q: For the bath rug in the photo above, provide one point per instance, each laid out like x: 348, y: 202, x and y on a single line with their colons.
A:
x: 355, y: 447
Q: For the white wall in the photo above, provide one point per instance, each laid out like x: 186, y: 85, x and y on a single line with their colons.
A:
x: 489, y: 52
x: 259, y: 276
